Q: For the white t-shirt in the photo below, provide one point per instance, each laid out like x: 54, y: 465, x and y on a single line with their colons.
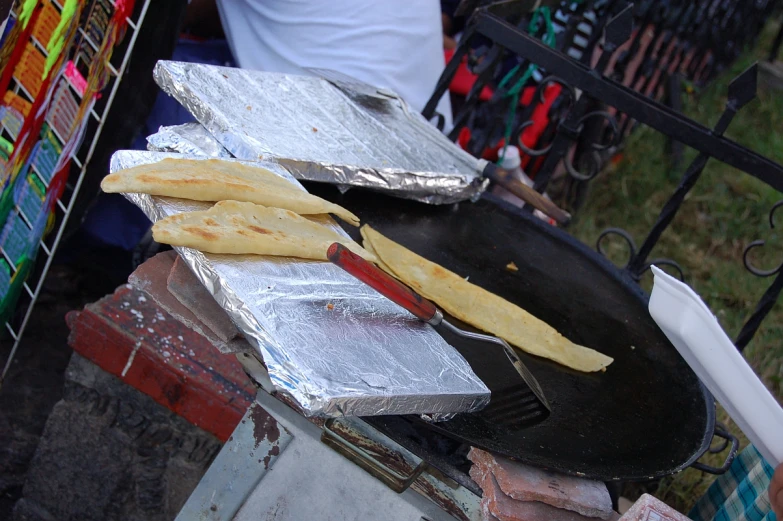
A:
x: 395, y: 44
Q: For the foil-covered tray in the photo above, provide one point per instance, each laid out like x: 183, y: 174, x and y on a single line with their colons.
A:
x: 341, y: 132
x: 188, y: 138
x: 335, y: 345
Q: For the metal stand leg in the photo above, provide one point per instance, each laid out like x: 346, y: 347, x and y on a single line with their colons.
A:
x: 239, y: 467
x: 275, y: 466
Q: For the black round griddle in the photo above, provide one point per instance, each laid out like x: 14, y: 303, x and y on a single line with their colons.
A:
x: 647, y: 416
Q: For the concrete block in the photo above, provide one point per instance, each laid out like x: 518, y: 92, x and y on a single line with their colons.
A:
x: 108, y: 452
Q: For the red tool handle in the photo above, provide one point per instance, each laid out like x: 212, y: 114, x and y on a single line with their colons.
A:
x: 386, y: 285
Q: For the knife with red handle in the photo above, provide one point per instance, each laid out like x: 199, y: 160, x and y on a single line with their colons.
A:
x: 384, y: 283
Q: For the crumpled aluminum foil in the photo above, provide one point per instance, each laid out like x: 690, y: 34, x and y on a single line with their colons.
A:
x: 338, y: 132
x: 361, y: 356
x: 189, y: 138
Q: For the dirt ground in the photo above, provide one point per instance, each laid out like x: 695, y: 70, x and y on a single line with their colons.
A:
x: 34, y: 383
x: 32, y: 387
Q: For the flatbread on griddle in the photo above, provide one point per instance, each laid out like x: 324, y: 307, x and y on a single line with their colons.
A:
x: 240, y: 227
x: 367, y: 245
x: 479, y: 307
x: 218, y: 180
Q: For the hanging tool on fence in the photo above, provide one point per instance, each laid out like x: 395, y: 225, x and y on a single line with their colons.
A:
x: 518, y: 77
x: 542, y: 18
x: 617, y: 32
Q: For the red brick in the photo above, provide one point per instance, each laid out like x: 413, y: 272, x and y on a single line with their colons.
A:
x: 648, y: 507
x: 131, y: 337
x: 486, y: 515
x: 525, y: 483
x: 504, y: 508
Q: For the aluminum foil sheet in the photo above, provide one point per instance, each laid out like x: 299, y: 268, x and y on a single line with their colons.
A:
x: 361, y: 356
x: 190, y: 138
x: 339, y: 132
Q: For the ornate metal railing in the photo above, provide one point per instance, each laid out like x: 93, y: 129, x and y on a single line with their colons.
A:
x: 700, y: 39
x: 770, y: 296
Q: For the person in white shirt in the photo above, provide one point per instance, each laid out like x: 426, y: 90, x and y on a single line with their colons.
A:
x: 394, y: 44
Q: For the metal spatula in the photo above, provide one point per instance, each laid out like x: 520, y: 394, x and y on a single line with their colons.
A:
x: 519, y: 405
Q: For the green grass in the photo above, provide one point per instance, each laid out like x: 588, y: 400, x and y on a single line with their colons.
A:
x: 724, y: 212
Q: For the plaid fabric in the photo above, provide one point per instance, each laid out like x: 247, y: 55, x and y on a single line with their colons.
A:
x: 741, y: 494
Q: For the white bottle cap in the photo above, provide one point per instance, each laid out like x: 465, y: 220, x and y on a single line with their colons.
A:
x: 510, y: 155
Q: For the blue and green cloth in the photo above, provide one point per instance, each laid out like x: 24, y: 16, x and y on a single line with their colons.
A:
x: 741, y: 494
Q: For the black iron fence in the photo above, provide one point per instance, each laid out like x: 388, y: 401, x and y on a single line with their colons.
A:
x: 600, y: 67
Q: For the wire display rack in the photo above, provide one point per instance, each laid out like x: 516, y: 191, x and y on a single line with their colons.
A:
x: 74, y: 159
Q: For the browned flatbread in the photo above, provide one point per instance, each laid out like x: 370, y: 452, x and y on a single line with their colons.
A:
x: 218, y: 180
x: 240, y: 228
x: 479, y: 307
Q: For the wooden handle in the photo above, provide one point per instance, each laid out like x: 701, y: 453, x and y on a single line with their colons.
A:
x: 527, y: 194
x: 386, y: 285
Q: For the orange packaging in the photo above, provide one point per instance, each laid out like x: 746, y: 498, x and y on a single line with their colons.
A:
x: 46, y: 23
x: 17, y: 102
x: 30, y: 69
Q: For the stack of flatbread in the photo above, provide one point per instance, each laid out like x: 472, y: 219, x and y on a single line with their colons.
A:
x: 257, y: 211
